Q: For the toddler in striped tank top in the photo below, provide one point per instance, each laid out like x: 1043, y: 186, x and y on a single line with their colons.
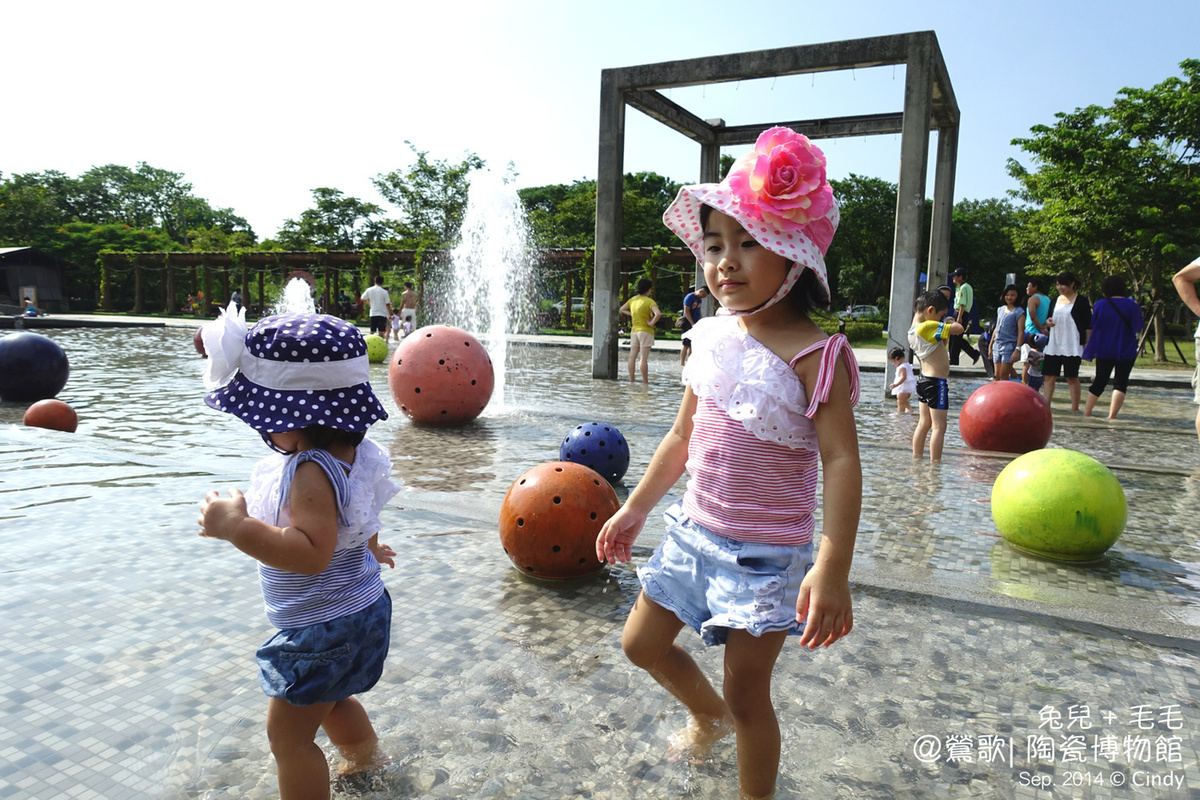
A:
x: 311, y: 518
x: 767, y: 395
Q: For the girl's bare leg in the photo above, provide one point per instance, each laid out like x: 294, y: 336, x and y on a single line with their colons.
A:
x: 1114, y: 405
x: 299, y: 762
x: 1089, y: 404
x: 649, y: 642
x: 1073, y: 389
x: 749, y: 661
x: 633, y: 354
x: 1048, y: 388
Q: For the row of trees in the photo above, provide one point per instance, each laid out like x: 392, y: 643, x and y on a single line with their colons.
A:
x: 1107, y: 190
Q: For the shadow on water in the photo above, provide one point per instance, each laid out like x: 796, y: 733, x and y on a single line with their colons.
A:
x: 128, y: 641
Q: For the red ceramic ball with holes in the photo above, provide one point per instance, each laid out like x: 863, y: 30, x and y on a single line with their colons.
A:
x: 53, y: 414
x: 550, y: 518
x: 1007, y: 417
x: 441, y: 375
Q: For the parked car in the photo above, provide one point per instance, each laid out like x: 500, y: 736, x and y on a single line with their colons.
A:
x: 578, y: 305
x: 859, y: 312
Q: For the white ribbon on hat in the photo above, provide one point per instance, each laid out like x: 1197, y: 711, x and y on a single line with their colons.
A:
x: 224, y: 340
x: 299, y: 376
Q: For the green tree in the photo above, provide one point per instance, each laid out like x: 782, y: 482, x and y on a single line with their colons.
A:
x: 1117, y: 190
x: 859, y: 261
x: 431, y: 196
x: 981, y: 241
x: 336, y: 222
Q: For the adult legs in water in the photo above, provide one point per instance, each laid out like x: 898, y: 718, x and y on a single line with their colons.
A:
x: 299, y: 761
x: 649, y: 642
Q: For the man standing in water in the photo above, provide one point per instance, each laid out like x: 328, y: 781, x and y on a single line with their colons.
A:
x: 408, y: 308
x: 381, y: 306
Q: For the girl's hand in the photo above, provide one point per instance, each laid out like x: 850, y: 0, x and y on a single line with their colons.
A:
x: 219, y: 518
x: 825, y: 608
x: 615, y: 540
x: 383, y: 553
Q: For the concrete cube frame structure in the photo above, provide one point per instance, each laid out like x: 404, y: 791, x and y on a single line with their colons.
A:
x: 929, y: 104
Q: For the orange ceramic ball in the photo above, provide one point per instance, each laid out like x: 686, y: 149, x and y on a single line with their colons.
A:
x: 441, y: 375
x: 53, y: 414
x: 550, y: 518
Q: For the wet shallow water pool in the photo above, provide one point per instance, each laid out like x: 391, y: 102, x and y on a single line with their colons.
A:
x: 128, y: 641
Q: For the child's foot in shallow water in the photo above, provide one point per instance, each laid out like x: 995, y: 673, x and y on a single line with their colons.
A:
x: 362, y: 774
x: 695, y: 742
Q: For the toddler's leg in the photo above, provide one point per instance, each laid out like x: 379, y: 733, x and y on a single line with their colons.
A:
x: 937, y: 436
x: 649, y: 642
x: 350, y: 731
x: 749, y: 661
x: 299, y: 762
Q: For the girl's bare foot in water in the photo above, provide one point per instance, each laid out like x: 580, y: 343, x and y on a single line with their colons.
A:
x: 695, y: 742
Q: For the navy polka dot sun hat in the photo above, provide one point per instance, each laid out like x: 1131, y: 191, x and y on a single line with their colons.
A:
x: 292, y: 370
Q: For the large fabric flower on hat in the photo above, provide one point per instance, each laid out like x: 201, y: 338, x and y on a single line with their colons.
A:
x: 782, y: 180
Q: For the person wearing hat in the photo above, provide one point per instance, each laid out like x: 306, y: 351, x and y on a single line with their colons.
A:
x: 311, y: 518
x: 964, y: 301
x: 767, y: 396
x: 692, y: 311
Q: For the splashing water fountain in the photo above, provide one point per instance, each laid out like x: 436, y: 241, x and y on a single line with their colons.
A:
x: 490, y: 269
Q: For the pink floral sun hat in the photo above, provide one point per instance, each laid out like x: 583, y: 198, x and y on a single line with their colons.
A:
x: 779, y: 193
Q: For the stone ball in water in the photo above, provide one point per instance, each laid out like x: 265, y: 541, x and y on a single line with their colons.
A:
x: 376, y: 348
x: 599, y: 446
x: 441, y: 375
x: 1007, y: 417
x: 53, y: 414
x: 550, y: 518
x: 1060, y: 504
x: 32, y: 367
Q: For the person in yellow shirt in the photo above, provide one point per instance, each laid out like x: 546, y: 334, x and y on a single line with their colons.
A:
x: 644, y: 313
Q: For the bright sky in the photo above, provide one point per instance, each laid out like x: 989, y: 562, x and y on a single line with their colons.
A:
x: 258, y: 103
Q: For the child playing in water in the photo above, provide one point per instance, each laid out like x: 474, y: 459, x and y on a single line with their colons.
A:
x: 927, y: 337
x: 311, y: 519
x: 766, y: 393
x: 906, y: 380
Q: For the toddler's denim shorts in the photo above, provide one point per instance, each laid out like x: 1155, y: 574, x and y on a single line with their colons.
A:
x: 329, y: 661
x: 714, y: 583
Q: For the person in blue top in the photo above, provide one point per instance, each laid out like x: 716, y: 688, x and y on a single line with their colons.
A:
x: 310, y: 517
x: 1116, y: 323
x: 1037, y: 309
x: 693, y: 305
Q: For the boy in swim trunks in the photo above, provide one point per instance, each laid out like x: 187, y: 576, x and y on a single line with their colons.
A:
x: 927, y: 337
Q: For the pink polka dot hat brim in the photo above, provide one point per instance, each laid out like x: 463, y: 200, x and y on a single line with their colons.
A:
x: 682, y: 217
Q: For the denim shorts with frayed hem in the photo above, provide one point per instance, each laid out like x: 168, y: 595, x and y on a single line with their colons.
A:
x: 329, y: 661
x: 714, y: 583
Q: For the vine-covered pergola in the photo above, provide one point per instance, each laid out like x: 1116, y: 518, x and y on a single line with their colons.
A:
x: 214, y: 273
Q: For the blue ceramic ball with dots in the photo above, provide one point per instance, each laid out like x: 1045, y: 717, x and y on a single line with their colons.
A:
x: 598, y: 446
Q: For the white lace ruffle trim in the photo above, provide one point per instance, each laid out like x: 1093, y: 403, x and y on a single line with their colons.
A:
x: 370, y: 487
x: 749, y: 383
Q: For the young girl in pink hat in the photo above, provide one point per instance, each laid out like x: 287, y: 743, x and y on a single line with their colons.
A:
x: 767, y: 395
x: 311, y: 518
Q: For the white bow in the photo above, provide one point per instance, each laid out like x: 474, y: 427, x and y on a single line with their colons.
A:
x: 224, y: 340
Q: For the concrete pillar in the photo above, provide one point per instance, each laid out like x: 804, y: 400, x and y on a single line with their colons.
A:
x: 910, y: 195
x: 605, y: 301
x: 710, y: 172
x: 943, y: 206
